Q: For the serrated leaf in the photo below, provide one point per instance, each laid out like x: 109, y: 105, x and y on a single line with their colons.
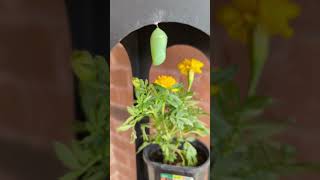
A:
x: 66, y: 156
x: 124, y: 127
x: 254, y: 106
x: 263, y: 130
x: 144, y: 133
x: 221, y: 76
x: 98, y: 176
x: 83, y: 65
x: 74, y: 175
x: 79, y: 126
x: 145, y: 144
x: 80, y: 153
x: 190, y: 154
x: 173, y: 100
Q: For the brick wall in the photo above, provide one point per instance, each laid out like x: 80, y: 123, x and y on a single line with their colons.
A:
x: 36, y: 87
x: 122, y: 154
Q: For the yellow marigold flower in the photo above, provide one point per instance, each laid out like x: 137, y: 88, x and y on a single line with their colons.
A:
x: 241, y: 16
x: 165, y: 81
x: 190, y: 64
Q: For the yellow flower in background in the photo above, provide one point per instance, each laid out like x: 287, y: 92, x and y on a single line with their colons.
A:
x: 190, y: 64
x: 241, y: 16
x: 277, y: 21
x: 165, y: 81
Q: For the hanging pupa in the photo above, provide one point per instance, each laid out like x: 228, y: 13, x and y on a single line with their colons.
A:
x: 158, y: 45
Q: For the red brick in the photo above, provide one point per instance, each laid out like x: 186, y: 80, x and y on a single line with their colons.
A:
x: 124, y: 156
x: 201, y: 86
x: 121, y: 140
x: 205, y: 140
x: 205, y: 106
x: 119, y: 56
x: 121, y: 96
x: 113, y: 124
x: 125, y: 170
x: 121, y: 77
x: 114, y: 176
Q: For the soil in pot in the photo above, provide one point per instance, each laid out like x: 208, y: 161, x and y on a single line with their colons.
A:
x: 156, y: 156
x: 157, y: 170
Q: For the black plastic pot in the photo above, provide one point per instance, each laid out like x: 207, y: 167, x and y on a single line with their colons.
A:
x: 159, y: 171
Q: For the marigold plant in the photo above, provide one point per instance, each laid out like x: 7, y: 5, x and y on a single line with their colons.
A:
x: 174, y: 119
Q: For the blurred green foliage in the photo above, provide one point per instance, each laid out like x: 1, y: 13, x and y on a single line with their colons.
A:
x: 243, y: 143
x: 250, y: 21
x: 243, y: 139
x: 88, y: 158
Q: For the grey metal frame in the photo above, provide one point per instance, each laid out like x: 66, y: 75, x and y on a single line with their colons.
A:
x: 129, y: 15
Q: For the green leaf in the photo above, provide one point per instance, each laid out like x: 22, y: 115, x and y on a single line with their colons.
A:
x: 264, y: 175
x: 98, y: 176
x: 145, y: 144
x: 221, y: 76
x: 83, y: 65
x: 264, y: 130
x: 143, y: 130
x: 254, y: 106
x: 222, y: 127
x: 124, y: 127
x: 79, y: 127
x: 300, y: 167
x: 190, y: 154
x: 173, y: 100
x: 74, y: 175
x: 191, y: 139
x: 82, y: 154
x: 230, y: 96
x: 66, y: 156
x: 227, y: 166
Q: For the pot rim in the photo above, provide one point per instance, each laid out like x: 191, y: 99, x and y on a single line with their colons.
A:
x: 179, y: 168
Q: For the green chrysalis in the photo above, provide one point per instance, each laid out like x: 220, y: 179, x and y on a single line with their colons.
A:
x: 158, y: 44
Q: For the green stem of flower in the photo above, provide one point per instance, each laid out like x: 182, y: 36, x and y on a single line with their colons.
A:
x: 259, y: 48
x: 190, y: 79
x: 181, y: 156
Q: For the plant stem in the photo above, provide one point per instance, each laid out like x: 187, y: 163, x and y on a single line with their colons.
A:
x: 259, y: 48
x: 190, y: 79
x: 182, y: 158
